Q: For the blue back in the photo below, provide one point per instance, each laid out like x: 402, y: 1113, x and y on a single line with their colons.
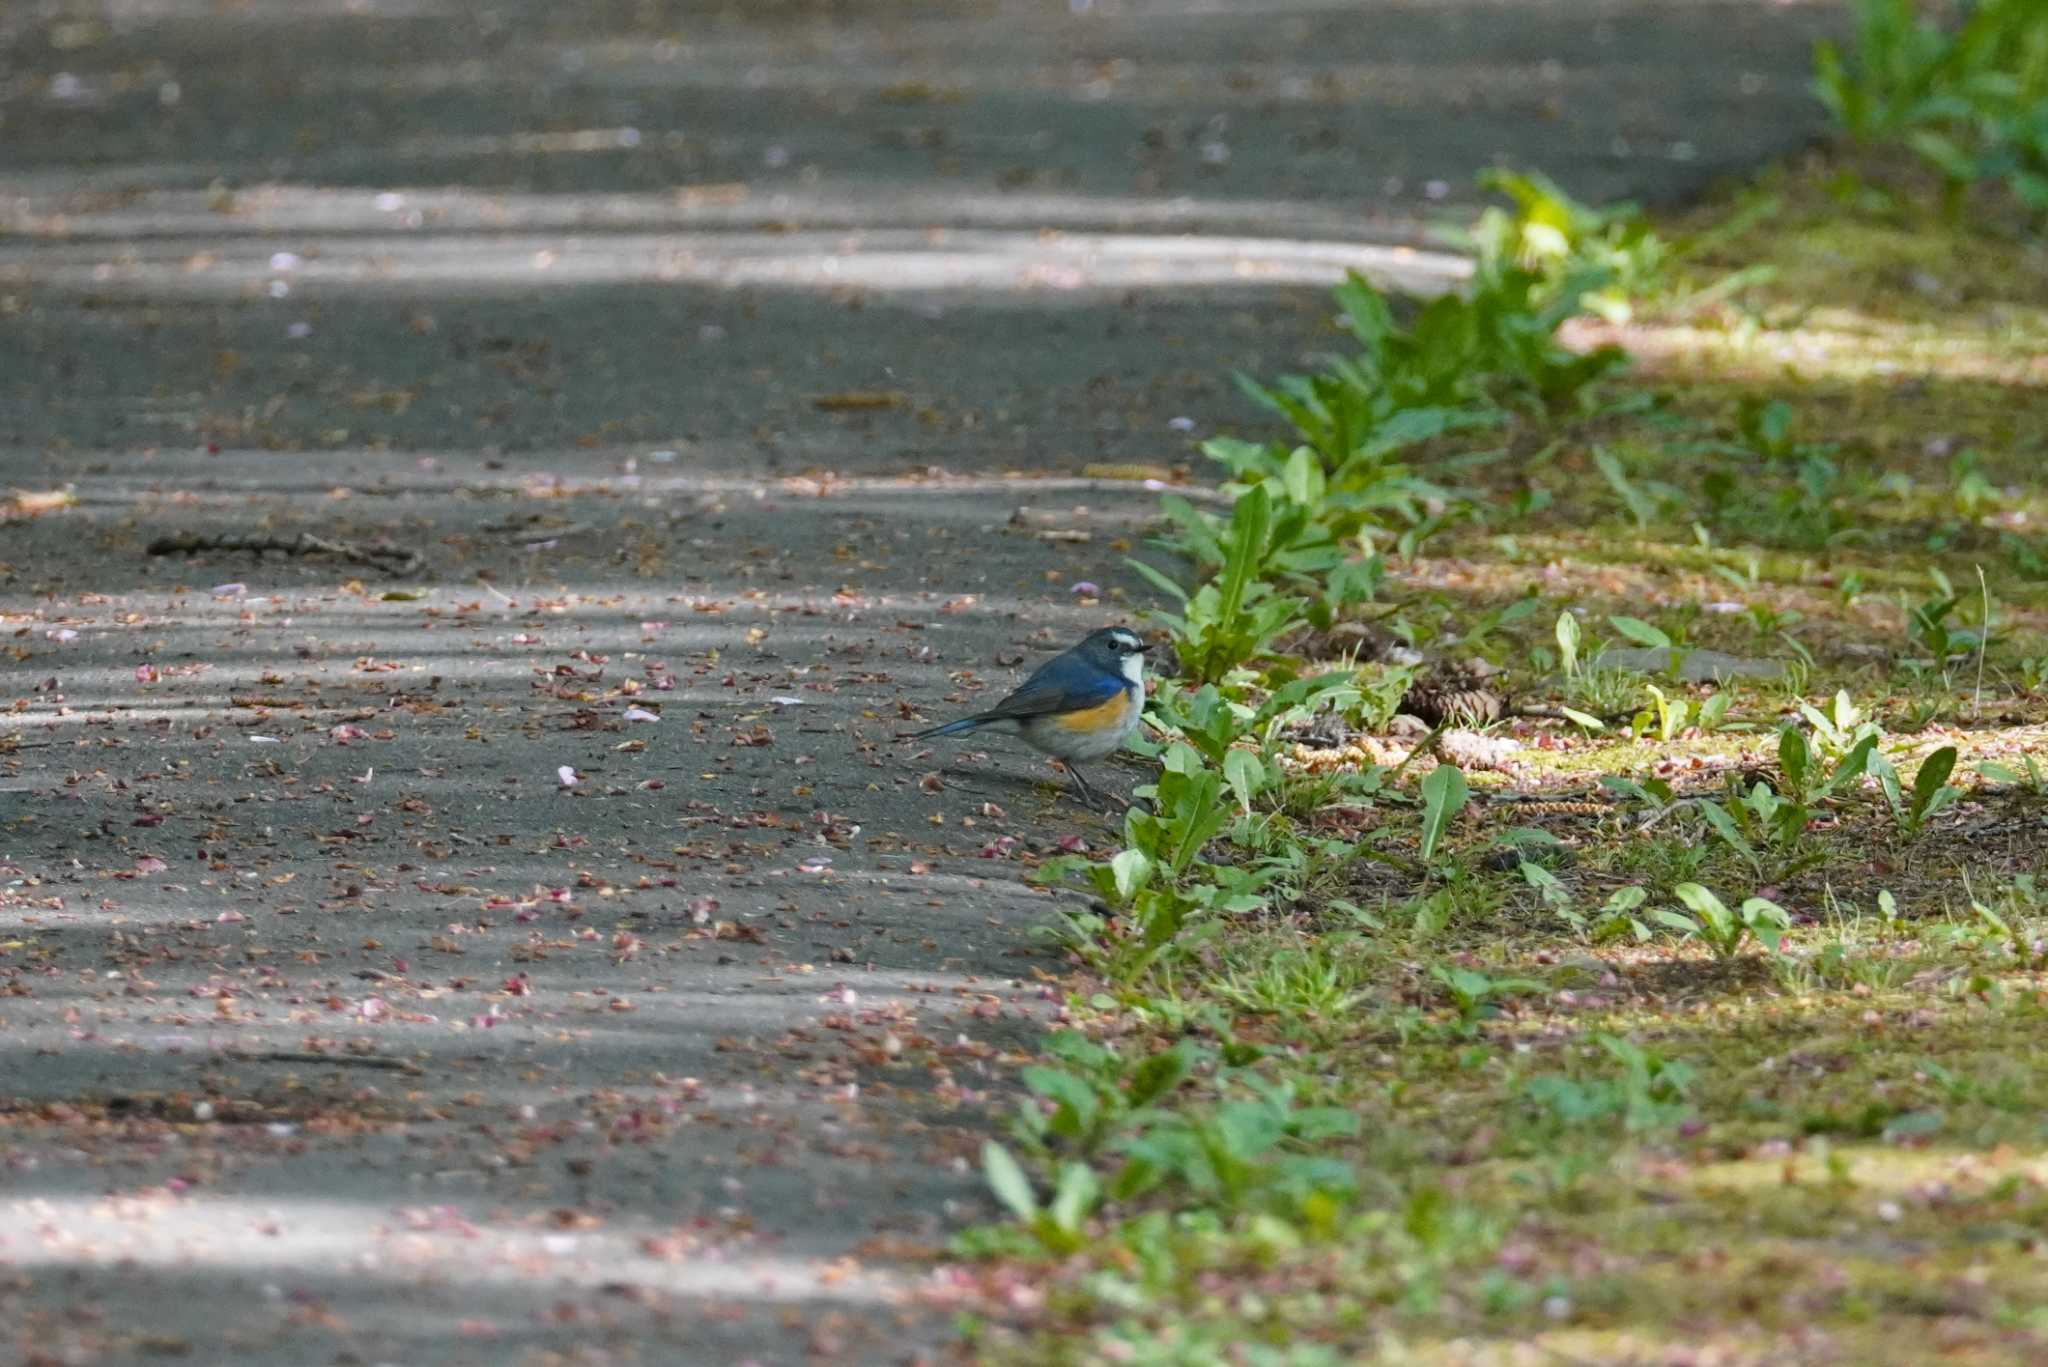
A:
x: 1072, y: 681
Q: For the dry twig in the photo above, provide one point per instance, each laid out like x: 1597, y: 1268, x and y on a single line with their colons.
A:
x: 396, y: 1065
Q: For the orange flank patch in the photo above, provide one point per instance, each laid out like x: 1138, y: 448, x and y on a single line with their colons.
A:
x: 1107, y: 717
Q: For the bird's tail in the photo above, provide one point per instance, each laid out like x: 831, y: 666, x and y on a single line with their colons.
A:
x: 964, y: 726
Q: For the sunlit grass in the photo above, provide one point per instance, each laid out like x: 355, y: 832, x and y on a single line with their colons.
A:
x: 1581, y: 1135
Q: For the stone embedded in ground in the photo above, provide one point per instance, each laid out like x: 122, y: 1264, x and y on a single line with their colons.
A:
x: 1694, y: 666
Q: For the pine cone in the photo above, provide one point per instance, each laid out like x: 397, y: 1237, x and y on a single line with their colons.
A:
x: 1444, y: 704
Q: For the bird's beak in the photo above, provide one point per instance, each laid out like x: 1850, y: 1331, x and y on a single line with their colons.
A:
x: 1144, y: 646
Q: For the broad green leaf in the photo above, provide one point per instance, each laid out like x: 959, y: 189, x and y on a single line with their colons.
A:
x: 1300, y: 692
x: 1160, y: 1074
x: 1303, y: 478
x: 1626, y: 899
x: 1198, y: 527
x: 1568, y: 642
x: 1854, y: 764
x: 1546, y: 883
x: 1073, y: 1047
x: 1713, y: 709
x: 1586, y: 720
x: 1245, y: 459
x: 1138, y: 1175
x: 1677, y: 920
x: 1314, y: 1124
x: 1724, y: 826
x: 1641, y: 632
x: 1703, y: 903
x: 1074, y: 1196
x: 1887, y: 776
x: 1671, y: 712
x: 1157, y: 579
x: 1640, y: 506
x: 1773, y: 426
x: 1245, y: 772
x: 1355, y: 581
x: 1788, y: 821
x: 1766, y: 920
x: 1443, y: 796
x: 1794, y: 759
x: 1008, y: 1181
x: 1927, y: 784
x: 1075, y: 1103
x: 1132, y: 869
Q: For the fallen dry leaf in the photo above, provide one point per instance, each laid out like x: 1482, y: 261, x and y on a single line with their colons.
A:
x: 860, y: 400
x: 21, y: 503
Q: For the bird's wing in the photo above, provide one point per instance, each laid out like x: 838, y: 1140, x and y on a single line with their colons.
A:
x: 1040, y: 695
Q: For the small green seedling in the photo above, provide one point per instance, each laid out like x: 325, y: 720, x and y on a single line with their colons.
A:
x: 1477, y: 996
x: 1722, y: 930
x: 1931, y: 789
x: 1061, y: 1226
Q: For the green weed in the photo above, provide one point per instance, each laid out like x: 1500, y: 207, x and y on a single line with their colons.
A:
x: 1971, y: 100
x: 1644, y: 1091
x: 1236, y: 616
x: 1721, y: 930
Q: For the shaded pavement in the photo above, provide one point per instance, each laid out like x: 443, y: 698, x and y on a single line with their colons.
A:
x: 754, y: 380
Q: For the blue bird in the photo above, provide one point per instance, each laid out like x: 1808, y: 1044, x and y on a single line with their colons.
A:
x: 1082, y: 704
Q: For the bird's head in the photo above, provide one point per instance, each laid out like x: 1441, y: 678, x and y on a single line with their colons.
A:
x: 1118, y: 650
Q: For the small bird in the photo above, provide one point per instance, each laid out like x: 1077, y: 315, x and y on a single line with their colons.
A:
x: 1082, y: 704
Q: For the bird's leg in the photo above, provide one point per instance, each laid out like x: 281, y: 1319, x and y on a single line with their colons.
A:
x: 1088, y: 794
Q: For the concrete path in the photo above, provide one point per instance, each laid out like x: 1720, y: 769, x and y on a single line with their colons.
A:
x: 755, y: 379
